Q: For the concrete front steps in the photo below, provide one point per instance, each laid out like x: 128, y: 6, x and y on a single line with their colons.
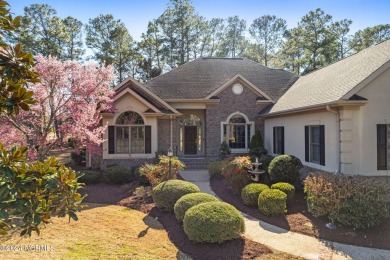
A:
x: 195, y: 163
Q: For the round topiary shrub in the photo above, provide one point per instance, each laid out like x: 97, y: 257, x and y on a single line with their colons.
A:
x: 89, y: 177
x: 250, y: 193
x: 190, y: 200
x: 285, y: 168
x: 167, y: 193
x: 286, y: 188
x: 213, y: 222
x: 272, y: 202
x: 118, y: 174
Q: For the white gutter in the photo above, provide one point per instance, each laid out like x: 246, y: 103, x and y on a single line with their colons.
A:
x: 337, y: 113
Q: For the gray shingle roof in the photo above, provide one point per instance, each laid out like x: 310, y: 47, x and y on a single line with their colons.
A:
x: 331, y: 83
x: 199, y: 78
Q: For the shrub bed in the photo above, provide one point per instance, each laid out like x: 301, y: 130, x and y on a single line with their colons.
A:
x: 89, y: 177
x: 118, y: 175
x: 356, y: 201
x: 188, y: 201
x: 140, y: 176
x: 167, y: 193
x: 272, y: 202
x: 285, y: 168
x: 250, y: 193
x: 286, y: 188
x: 213, y: 222
x: 236, y: 173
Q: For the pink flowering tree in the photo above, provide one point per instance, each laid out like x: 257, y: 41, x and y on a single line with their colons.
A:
x: 70, y: 98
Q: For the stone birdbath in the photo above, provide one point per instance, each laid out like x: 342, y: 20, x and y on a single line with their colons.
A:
x: 255, y: 173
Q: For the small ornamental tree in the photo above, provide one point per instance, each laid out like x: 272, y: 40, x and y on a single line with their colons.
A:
x: 236, y: 173
x: 70, y: 98
x: 30, y: 193
x: 157, y: 173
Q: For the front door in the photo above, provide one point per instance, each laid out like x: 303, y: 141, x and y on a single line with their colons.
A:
x: 190, y: 140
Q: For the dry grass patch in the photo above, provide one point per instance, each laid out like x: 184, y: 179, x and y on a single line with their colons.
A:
x: 102, y: 232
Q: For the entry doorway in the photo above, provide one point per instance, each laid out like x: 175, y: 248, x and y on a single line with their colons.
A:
x: 190, y: 139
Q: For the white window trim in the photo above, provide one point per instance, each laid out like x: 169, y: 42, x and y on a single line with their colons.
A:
x: 247, y: 122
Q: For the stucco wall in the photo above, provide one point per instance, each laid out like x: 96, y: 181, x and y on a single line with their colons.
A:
x: 294, y: 136
x: 229, y: 103
x: 376, y: 111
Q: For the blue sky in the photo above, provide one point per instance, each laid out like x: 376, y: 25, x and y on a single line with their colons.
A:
x: 136, y: 13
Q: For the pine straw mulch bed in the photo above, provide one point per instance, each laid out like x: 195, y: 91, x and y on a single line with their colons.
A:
x: 124, y: 195
x: 299, y: 220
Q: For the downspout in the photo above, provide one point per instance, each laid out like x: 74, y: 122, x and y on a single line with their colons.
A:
x: 337, y: 113
x: 171, y: 141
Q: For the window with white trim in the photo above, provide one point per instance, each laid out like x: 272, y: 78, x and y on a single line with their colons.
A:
x: 237, y: 132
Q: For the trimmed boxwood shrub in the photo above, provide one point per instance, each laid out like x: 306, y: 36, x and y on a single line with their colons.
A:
x: 250, y: 193
x: 89, y: 177
x: 190, y: 200
x: 272, y: 202
x: 213, y: 222
x: 286, y: 188
x: 118, y: 175
x: 167, y: 193
x: 285, y: 168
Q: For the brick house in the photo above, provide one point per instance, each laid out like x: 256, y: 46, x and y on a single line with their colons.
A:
x: 193, y: 108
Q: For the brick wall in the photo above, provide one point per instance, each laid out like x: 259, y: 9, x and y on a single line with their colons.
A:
x: 164, y: 134
x: 229, y: 103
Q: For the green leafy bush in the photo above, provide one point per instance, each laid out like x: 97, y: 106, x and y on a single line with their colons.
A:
x: 167, y: 193
x: 250, y: 193
x: 224, y: 150
x: 215, y: 168
x: 140, y: 176
x: 272, y: 202
x: 190, y: 200
x: 118, y: 174
x: 213, y: 222
x: 286, y: 188
x: 89, y: 177
x: 285, y: 168
x: 356, y: 201
x: 257, y: 140
x: 265, y: 161
x: 236, y: 173
x: 79, y: 157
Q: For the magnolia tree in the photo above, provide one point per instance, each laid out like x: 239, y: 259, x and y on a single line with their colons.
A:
x: 70, y: 98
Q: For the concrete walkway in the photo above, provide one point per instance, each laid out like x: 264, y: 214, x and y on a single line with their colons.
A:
x: 290, y: 242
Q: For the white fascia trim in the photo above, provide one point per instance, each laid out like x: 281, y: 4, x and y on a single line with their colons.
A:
x: 366, y: 81
x: 229, y: 82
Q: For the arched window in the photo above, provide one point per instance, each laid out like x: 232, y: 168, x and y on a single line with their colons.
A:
x: 237, y: 132
x: 129, y: 133
x: 129, y: 118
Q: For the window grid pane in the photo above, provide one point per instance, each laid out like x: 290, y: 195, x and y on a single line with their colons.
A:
x: 315, y: 148
x: 137, y: 139
x: 278, y: 140
x: 122, y: 139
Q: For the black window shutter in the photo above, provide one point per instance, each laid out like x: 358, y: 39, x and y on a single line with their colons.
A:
x: 111, y: 139
x: 322, y: 145
x: 148, y: 139
x: 282, y: 133
x: 274, y: 139
x: 307, y: 144
x: 381, y: 147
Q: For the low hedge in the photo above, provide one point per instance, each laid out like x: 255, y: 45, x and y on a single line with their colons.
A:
x: 250, y: 193
x: 190, y: 200
x: 286, y: 188
x: 356, y: 201
x: 272, y: 202
x: 89, y: 177
x: 118, y: 175
x: 167, y: 193
x: 213, y: 222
